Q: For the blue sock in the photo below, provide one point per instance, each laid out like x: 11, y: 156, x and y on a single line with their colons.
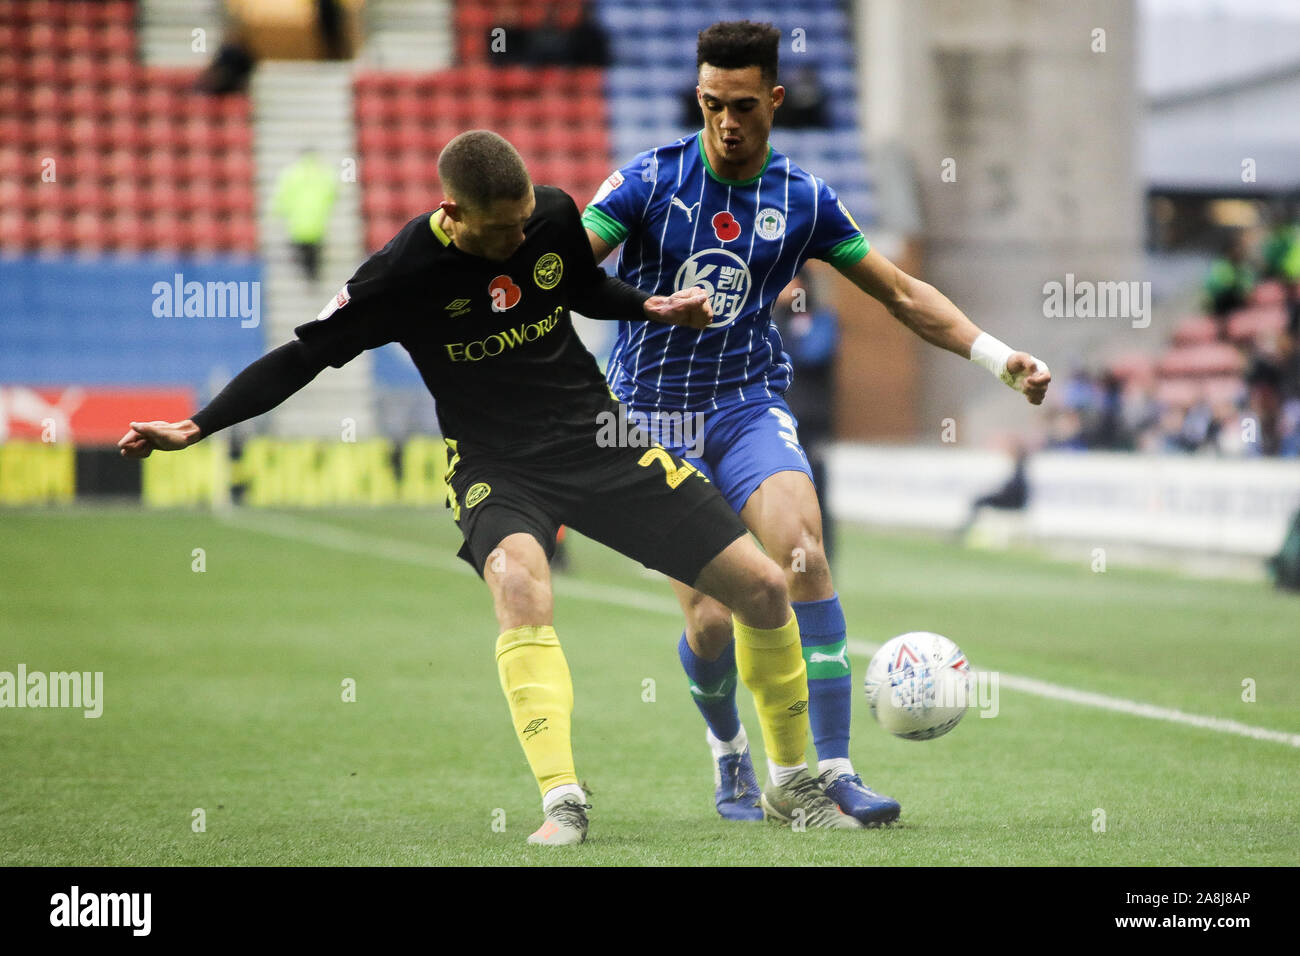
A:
x: 713, y: 686
x: 830, y: 682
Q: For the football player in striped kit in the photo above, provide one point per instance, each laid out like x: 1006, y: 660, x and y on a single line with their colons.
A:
x: 722, y: 210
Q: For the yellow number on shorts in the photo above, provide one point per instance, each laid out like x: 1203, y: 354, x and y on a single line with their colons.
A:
x: 674, y: 474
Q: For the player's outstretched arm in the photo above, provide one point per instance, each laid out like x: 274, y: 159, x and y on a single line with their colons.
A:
x: 143, y: 438
x: 929, y: 313
x: 257, y: 389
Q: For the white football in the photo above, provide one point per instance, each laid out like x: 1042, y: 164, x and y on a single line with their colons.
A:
x: 918, y: 685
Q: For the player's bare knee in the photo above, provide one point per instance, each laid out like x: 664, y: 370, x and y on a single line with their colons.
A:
x: 709, y: 627
x: 766, y: 599
x: 802, y: 552
x: 521, y: 592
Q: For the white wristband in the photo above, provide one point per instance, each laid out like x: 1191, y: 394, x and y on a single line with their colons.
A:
x: 992, y: 354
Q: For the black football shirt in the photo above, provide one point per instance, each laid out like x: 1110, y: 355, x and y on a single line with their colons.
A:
x: 493, y: 341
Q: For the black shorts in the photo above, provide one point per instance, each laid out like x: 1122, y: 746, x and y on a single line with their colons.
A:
x: 645, y: 503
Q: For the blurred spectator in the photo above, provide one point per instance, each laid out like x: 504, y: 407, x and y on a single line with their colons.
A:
x: 561, y: 40
x: 1264, y: 381
x: 1281, y: 253
x: 304, y: 196
x: 1109, y: 432
x: 1012, y: 496
x: 809, y: 334
x: 229, y: 70
x: 805, y: 101
x: 1282, y: 262
x: 329, y: 25
x: 1190, y: 413
x: 1230, y: 281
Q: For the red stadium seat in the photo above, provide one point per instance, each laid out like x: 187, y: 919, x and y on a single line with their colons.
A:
x: 88, y: 232
x: 1246, y: 325
x: 1224, y: 389
x: 13, y: 226
x: 161, y: 197
x: 45, y: 133
x: 163, y: 165
x: 244, y: 235
x: 121, y: 164
x: 200, y: 168
x: 1178, y: 392
x: 377, y: 235
x: 12, y: 165
x: 236, y: 137
x: 1132, y: 366
x: 1196, y: 330
x: 160, y: 101
x: 115, y: 71
x: 117, y: 11
x: 53, y: 231
x: 43, y: 99
x: 1216, y: 358
x: 237, y: 167
x: 118, y: 39
x: 126, y: 196
x: 1271, y: 292
x: 41, y: 34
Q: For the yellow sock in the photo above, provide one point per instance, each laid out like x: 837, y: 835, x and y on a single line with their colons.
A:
x: 535, y: 678
x: 770, y: 663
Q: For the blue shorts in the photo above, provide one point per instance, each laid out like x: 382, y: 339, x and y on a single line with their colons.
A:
x: 741, y: 446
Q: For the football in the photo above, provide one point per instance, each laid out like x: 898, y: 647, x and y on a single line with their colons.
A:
x: 918, y: 685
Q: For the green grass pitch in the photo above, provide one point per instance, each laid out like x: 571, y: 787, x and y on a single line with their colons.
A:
x: 223, y: 692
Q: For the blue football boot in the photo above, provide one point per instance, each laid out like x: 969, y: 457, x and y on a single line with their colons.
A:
x: 858, y: 800
x: 737, y: 794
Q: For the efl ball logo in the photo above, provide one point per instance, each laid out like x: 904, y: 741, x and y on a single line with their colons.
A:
x: 918, y: 685
x: 721, y: 274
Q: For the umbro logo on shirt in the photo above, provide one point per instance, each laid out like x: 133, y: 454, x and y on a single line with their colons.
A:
x: 456, y: 308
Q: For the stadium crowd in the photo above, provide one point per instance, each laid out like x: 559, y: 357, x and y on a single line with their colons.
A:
x: 1245, y: 402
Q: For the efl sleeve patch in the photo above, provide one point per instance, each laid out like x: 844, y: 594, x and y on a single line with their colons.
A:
x: 336, y: 303
x: 608, y: 186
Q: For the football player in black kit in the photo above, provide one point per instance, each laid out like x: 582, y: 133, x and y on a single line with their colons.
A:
x: 479, y: 292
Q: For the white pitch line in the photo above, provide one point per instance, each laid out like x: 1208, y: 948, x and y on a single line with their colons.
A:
x: 1085, y: 698
x: 340, y: 539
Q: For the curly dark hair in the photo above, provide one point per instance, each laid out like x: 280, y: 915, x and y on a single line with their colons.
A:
x: 479, y: 167
x: 736, y: 44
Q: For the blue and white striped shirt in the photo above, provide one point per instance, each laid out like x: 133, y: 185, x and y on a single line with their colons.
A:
x: 682, y: 225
